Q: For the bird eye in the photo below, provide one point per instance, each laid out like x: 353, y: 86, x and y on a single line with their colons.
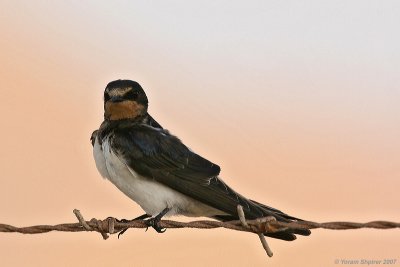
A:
x: 131, y: 95
x: 106, y: 97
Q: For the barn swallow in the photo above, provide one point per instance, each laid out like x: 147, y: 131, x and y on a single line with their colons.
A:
x: 157, y: 171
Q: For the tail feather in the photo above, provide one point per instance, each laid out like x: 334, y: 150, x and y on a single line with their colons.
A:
x: 287, y: 235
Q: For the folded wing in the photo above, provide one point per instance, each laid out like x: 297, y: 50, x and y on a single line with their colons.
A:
x: 153, y: 152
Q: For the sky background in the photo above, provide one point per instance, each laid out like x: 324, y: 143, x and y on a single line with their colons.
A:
x: 297, y: 101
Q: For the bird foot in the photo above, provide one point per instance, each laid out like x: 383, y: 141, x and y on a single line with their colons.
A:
x: 155, y: 223
x: 144, y: 216
x: 124, y: 230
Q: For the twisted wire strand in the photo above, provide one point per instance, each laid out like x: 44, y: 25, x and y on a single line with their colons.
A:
x: 77, y: 227
x: 260, y: 226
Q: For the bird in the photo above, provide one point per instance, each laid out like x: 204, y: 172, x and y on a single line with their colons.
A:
x: 161, y: 174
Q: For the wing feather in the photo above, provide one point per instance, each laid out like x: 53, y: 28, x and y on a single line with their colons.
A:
x: 153, y: 152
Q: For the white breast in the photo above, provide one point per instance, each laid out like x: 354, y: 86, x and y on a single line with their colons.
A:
x: 152, y: 196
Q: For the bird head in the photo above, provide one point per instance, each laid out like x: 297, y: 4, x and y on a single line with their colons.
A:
x: 124, y: 99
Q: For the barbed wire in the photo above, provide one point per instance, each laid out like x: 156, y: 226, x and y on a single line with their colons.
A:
x: 259, y: 226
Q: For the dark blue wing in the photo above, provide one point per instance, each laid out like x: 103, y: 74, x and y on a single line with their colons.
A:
x: 153, y: 152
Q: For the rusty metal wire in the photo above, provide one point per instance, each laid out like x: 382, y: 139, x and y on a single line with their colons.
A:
x: 111, y: 225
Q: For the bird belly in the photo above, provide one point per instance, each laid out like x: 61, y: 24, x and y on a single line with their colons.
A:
x: 151, y: 195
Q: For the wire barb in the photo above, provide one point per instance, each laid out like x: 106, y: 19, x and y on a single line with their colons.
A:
x: 259, y: 226
x: 82, y: 220
x: 260, y: 234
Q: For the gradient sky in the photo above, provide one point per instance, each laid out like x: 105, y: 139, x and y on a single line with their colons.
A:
x: 297, y: 101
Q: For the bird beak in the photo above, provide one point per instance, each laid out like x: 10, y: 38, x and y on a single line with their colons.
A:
x: 116, y: 99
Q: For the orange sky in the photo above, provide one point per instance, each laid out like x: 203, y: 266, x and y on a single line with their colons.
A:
x: 297, y: 103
